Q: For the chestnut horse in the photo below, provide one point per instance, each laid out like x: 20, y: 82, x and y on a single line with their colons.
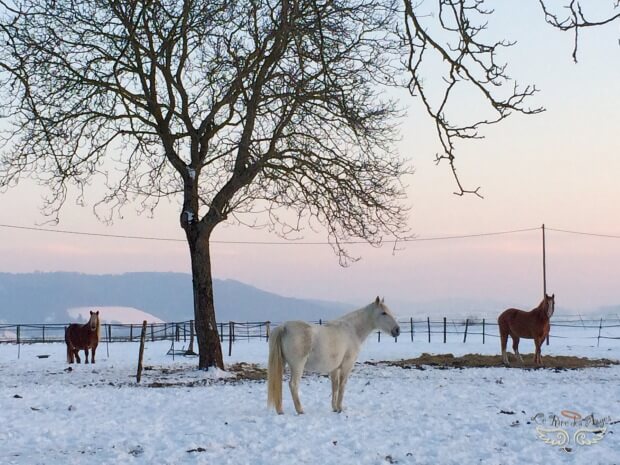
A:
x: 528, y: 325
x: 84, y: 337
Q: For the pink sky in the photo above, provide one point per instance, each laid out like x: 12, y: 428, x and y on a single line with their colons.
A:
x: 559, y: 168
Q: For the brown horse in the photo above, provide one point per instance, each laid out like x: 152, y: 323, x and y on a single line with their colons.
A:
x: 84, y: 337
x: 528, y: 325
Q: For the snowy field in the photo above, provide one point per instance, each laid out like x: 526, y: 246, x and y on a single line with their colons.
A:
x: 96, y: 414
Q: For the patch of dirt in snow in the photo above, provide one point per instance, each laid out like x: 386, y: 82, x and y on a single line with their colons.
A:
x: 553, y: 362
x: 162, y: 377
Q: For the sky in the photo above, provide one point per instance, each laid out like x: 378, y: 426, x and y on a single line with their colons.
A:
x: 559, y: 168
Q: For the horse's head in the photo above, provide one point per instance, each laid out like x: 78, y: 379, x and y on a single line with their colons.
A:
x: 93, y: 322
x: 550, y: 301
x: 383, y: 318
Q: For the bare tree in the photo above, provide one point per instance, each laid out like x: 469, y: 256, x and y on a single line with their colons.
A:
x: 236, y: 108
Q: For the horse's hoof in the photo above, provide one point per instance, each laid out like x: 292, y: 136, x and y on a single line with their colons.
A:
x: 280, y: 412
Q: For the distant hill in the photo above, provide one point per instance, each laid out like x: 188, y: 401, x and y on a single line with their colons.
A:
x: 46, y: 297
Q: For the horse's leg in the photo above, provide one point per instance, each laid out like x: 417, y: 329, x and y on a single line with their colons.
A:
x: 537, y: 356
x: 92, y: 354
x: 86, y: 355
x: 515, y: 347
x: 76, y: 352
x: 296, y: 372
x: 345, y: 370
x: 335, y: 377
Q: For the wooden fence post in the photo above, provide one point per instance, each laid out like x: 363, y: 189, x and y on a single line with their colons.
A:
x: 221, y: 333
x: 267, y: 330
x: 444, y: 329
x: 190, y: 349
x: 378, y: 336
x: 598, y: 339
x: 43, y: 333
x: 107, y: 342
x: 231, y: 332
x: 411, y: 326
x: 141, y: 354
x: 466, y: 325
x: 131, y: 333
x: 428, y: 322
x: 152, y: 333
x: 483, y: 330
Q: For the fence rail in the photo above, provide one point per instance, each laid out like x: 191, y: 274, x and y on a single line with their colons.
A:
x: 412, y: 329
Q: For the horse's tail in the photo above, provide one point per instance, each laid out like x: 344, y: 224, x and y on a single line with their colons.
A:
x: 275, y: 369
x: 68, y: 344
x: 503, y: 324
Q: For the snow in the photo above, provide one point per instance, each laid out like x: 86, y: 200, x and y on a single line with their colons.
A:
x: 124, y: 315
x: 98, y: 414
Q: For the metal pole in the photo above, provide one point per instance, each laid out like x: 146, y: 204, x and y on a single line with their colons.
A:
x: 544, y: 262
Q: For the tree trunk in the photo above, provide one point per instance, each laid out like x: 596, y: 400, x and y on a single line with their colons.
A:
x: 209, y: 348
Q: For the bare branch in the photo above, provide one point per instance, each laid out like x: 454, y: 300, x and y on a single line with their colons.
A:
x: 467, y: 62
x: 575, y: 19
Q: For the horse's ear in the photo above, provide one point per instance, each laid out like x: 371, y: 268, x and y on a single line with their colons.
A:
x: 97, y: 312
x: 91, y: 312
x: 382, y: 299
x: 377, y: 301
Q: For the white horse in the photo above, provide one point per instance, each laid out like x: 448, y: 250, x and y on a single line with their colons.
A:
x: 330, y: 348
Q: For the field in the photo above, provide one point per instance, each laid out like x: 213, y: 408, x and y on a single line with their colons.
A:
x: 427, y: 410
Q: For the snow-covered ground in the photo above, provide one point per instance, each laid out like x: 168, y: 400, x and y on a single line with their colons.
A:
x: 96, y: 414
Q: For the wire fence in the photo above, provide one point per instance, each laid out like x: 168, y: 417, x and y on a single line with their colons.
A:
x: 412, y: 329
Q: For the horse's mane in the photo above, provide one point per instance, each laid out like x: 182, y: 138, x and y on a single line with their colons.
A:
x: 355, y: 313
